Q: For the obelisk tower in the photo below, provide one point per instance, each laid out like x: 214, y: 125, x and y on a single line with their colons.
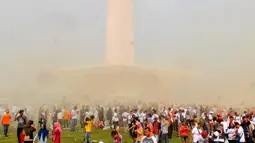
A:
x: 120, y: 33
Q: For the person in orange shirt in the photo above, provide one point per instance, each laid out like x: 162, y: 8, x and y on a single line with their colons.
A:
x: 66, y: 119
x: 6, y: 120
x: 69, y: 118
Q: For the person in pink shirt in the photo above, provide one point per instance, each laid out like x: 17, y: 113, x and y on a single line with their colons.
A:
x: 56, y: 132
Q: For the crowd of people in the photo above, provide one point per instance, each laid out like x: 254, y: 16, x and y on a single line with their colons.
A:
x: 26, y: 128
x: 143, y: 123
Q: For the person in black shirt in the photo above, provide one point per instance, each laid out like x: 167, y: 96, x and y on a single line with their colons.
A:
x: 247, y: 127
x: 132, y: 128
x: 29, y: 129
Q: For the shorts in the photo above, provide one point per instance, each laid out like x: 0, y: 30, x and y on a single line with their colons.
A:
x: 184, y: 139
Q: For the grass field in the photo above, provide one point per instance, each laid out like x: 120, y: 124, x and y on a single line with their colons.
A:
x: 76, y: 137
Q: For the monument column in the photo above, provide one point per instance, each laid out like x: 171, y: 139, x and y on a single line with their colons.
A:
x: 120, y: 33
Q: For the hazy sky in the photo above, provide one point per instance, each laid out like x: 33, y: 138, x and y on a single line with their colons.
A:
x: 213, y: 37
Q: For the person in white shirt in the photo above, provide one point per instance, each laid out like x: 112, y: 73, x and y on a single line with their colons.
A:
x: 115, y: 118
x: 210, y: 116
x: 194, y: 112
x: 196, y: 133
x: 74, y: 114
x: 142, y: 117
x: 125, y: 120
x: 230, y: 131
x: 135, y: 113
x: 239, y: 133
x: 148, y: 138
x: 154, y: 114
x: 238, y: 119
x: 60, y: 117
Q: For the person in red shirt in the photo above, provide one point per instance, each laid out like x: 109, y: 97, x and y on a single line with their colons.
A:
x: 116, y: 137
x: 184, y: 131
x: 156, y: 128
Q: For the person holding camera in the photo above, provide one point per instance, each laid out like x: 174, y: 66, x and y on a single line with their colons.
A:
x: 22, y: 120
x: 28, y: 132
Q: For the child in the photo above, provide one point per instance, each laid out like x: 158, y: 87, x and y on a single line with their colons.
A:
x: 42, y: 120
x: 56, y: 132
x: 42, y: 134
x: 116, y: 137
x: 88, y: 128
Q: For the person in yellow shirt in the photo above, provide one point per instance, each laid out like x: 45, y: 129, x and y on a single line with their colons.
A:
x: 88, y: 128
x: 6, y: 120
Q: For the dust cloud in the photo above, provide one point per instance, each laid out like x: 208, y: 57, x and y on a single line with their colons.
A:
x: 51, y: 51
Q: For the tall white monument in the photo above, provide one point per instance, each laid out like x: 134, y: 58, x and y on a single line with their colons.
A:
x: 120, y: 33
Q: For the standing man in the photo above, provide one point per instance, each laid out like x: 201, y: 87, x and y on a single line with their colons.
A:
x: 74, y: 114
x: 164, y: 129
x: 22, y: 120
x: 82, y: 116
x: 66, y: 118
x: 6, y: 120
x: 54, y: 116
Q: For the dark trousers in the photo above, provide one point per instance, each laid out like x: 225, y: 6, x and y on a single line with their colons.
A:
x: 115, y: 124
x: 248, y: 139
x: 61, y: 122
x: 19, y: 130
x: 6, y: 127
x: 232, y: 141
x: 73, y: 125
x: 164, y: 138
x: 82, y: 122
x: 66, y: 123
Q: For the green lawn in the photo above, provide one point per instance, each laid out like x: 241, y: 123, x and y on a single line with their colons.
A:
x: 73, y: 137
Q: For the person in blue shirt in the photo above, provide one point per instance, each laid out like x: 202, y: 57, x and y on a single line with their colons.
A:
x: 42, y: 135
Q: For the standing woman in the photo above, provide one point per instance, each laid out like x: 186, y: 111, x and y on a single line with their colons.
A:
x: 28, y: 131
x: 56, y: 132
x: 139, y: 132
x: 231, y: 133
x: 42, y: 135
